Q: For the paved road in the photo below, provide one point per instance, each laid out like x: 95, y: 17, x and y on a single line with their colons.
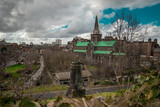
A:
x: 88, y: 92
x: 37, y: 74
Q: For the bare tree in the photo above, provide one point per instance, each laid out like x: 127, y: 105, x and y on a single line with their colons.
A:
x: 126, y: 30
x: 58, y: 61
x: 7, y: 54
x: 127, y: 25
x: 3, y: 54
x: 30, y: 60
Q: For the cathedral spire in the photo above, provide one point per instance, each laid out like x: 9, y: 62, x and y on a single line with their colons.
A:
x: 96, y: 27
x: 96, y: 35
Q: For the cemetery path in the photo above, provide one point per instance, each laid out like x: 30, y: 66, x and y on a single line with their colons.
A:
x: 37, y: 74
x: 39, y: 71
x: 89, y: 91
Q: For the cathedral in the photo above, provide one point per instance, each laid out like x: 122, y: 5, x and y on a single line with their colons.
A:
x: 108, y: 47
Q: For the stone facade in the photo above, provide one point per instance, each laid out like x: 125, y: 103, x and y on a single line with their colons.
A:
x: 109, y: 47
x: 96, y: 35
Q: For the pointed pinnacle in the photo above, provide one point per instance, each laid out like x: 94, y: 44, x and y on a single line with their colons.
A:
x: 96, y: 27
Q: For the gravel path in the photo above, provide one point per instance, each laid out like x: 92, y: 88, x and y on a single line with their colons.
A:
x: 37, y: 74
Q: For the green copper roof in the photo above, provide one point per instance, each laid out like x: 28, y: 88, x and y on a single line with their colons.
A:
x: 82, y: 44
x: 106, y: 43
x: 102, y: 52
x: 92, y: 43
x: 118, y: 53
x: 79, y: 50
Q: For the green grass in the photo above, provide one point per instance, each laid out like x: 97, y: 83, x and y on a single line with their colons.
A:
x: 39, y: 89
x: 46, y: 89
x: 35, y: 66
x: 91, y: 67
x: 14, y: 68
x: 107, y: 94
x: 88, y: 97
x: 46, y: 101
x: 104, y: 83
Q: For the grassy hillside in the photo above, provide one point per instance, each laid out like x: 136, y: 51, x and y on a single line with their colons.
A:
x: 14, y: 68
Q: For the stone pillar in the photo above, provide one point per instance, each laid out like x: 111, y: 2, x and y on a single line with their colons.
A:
x: 76, y: 83
x: 76, y: 75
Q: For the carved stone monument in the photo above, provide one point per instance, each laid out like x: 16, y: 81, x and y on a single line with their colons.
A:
x: 76, y: 84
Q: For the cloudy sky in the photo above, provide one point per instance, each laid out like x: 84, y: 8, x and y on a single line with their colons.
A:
x: 46, y: 20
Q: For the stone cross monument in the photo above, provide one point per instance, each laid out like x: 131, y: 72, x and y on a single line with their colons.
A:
x: 76, y: 83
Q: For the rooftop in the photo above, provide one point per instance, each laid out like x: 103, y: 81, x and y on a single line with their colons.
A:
x: 118, y: 53
x: 79, y: 50
x: 106, y: 43
x: 84, y: 43
x: 66, y: 75
x: 102, y: 52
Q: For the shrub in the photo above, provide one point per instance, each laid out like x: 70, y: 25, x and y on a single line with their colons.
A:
x: 144, y: 70
x: 58, y: 99
x: 6, y: 100
x: 96, y: 83
x: 65, y: 105
x: 26, y: 103
x: 130, y: 72
x: 7, y: 75
x: 4, y: 86
x: 106, y: 82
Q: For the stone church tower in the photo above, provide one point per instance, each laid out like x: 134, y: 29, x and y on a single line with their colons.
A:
x: 96, y: 35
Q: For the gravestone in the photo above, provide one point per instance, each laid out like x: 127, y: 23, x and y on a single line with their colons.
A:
x: 76, y: 84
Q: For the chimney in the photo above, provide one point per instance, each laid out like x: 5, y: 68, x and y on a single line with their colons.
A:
x: 155, y: 40
x: 149, y: 40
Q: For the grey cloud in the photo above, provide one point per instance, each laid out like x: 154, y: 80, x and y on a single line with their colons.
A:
x: 8, y: 21
x: 36, y: 16
x: 104, y: 4
x: 6, y: 7
x: 42, y: 14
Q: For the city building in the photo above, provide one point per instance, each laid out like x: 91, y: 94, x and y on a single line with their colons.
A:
x: 54, y: 43
x: 3, y: 42
x: 58, y: 41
